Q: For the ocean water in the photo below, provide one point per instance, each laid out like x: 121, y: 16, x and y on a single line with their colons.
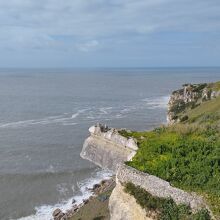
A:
x: 44, y: 118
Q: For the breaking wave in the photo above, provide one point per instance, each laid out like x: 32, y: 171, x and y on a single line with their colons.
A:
x: 44, y: 212
x: 156, y: 102
x: 64, y: 119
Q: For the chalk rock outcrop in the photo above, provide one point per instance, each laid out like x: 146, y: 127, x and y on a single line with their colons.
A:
x: 106, y: 147
x: 123, y: 206
x: 190, y: 96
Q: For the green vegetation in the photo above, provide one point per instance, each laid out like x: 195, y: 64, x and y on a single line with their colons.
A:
x: 186, y: 154
x: 166, y: 209
x: 207, y: 113
x: 214, y: 86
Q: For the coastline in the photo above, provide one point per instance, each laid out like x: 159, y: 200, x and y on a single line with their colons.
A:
x: 96, y: 207
x: 109, y: 147
x: 59, y: 140
x: 44, y: 212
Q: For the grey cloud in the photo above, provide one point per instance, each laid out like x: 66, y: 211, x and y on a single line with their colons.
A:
x: 88, y: 46
x: 32, y: 23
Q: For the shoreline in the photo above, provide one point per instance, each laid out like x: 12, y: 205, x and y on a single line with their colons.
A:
x: 44, y: 212
x: 96, y: 206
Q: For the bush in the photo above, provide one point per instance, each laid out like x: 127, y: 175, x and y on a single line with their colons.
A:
x: 167, y: 209
x: 178, y: 107
x: 199, y: 87
x: 143, y: 198
x: 184, y: 118
x: 202, y: 215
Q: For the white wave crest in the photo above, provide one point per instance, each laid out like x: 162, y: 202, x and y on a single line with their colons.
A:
x: 105, y: 110
x: 64, y: 119
x: 157, y: 102
x: 44, y: 212
x: 79, y: 112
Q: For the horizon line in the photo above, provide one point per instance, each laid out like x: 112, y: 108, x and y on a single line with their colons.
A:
x: 107, y: 67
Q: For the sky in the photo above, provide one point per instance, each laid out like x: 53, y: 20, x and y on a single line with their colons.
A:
x: 109, y: 33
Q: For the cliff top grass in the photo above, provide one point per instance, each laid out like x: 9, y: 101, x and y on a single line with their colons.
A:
x: 207, y: 113
x: 186, y: 154
x: 215, y: 86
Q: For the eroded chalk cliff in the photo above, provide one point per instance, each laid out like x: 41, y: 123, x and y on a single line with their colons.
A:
x: 189, y: 97
x: 123, y: 206
x: 106, y: 147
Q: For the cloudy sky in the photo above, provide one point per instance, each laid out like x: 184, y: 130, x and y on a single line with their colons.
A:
x: 109, y: 33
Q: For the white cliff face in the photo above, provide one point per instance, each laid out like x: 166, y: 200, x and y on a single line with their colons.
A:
x: 215, y: 94
x: 106, y: 147
x: 123, y: 206
x: 112, y: 134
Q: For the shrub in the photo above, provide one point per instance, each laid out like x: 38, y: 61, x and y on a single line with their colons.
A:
x: 167, y: 209
x: 202, y: 215
x: 184, y: 118
x: 199, y: 87
x: 143, y: 198
x: 178, y: 107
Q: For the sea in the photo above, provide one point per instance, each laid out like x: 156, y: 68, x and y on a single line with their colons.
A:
x: 44, y: 119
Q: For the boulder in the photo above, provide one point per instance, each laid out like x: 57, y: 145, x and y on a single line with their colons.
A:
x: 95, y: 186
x: 56, y: 212
x: 85, y: 201
x: 59, y: 215
x: 73, y: 201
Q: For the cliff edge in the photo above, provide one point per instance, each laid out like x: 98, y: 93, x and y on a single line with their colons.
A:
x: 106, y: 147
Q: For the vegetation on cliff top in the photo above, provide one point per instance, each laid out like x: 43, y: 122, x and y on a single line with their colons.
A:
x: 183, y: 101
x: 165, y: 209
x: 186, y: 154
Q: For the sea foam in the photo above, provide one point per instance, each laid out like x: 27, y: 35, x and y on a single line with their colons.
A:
x: 44, y: 212
x: 156, y: 102
x: 64, y: 119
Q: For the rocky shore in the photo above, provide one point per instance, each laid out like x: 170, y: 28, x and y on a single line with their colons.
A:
x: 101, y: 193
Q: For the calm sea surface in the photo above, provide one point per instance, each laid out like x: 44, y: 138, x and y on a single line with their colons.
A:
x: 44, y: 119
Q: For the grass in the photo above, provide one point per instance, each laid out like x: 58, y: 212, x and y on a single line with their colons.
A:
x: 215, y: 86
x: 166, y: 209
x: 207, y: 113
x: 186, y: 154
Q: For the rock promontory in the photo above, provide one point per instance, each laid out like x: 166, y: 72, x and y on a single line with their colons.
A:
x: 189, y: 97
x: 106, y: 147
